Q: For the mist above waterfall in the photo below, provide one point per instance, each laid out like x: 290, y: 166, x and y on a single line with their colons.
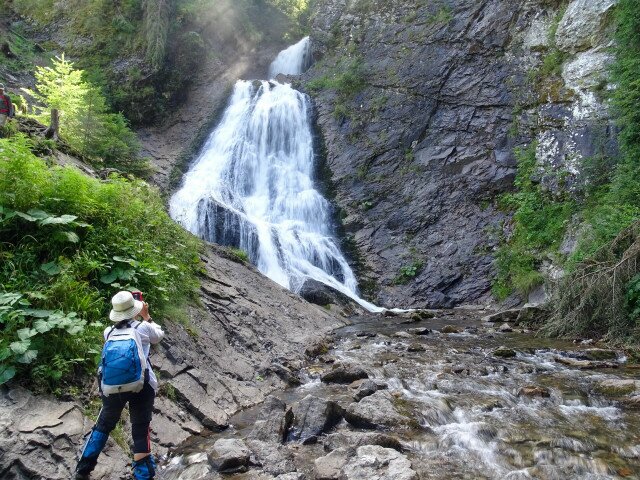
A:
x: 252, y: 185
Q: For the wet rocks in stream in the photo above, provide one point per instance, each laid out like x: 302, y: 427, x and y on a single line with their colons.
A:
x: 367, y: 388
x: 376, y: 411
x: 229, y: 456
x: 365, y: 462
x: 313, y: 416
x: 344, y: 374
x: 274, y: 421
x: 346, y: 439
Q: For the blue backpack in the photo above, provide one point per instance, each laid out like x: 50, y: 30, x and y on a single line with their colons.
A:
x: 123, y: 365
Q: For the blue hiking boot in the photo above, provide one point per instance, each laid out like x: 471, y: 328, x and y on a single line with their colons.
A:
x: 89, y: 457
x: 144, y: 469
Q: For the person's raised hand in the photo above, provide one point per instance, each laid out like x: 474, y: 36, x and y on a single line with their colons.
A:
x: 144, y: 313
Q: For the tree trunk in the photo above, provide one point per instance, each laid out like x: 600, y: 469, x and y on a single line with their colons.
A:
x: 52, y: 131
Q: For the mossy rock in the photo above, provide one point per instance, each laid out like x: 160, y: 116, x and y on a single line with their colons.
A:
x: 600, y: 354
x: 504, y: 352
x: 615, y: 387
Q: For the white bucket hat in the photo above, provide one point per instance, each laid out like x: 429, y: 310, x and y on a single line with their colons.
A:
x: 125, y: 307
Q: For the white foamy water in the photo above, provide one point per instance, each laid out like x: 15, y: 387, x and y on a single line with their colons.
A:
x: 292, y: 61
x: 252, y: 186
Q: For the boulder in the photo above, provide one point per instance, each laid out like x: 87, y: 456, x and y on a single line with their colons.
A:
x: 273, y: 422
x: 615, y: 387
x: 584, y: 364
x: 600, y: 354
x: 504, y: 316
x: 504, y: 352
x: 313, y: 416
x: 505, y: 328
x: 421, y: 331
x: 529, y: 313
x: 272, y: 459
x: 330, y: 466
x: 403, y: 334
x: 318, y: 293
x: 367, y: 388
x: 375, y: 411
x: 348, y: 439
x: 229, y: 455
x: 534, y: 391
x: 632, y: 403
x: 374, y: 461
x: 451, y: 329
x: 342, y: 373
x: 416, y: 347
x: 193, y: 393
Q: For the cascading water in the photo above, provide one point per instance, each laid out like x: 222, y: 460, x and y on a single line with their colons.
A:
x: 252, y: 185
x: 292, y: 61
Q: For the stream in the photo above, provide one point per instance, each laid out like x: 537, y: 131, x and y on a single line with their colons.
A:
x: 448, y: 406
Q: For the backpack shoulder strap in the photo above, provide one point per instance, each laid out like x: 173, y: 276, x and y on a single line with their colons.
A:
x: 110, y: 332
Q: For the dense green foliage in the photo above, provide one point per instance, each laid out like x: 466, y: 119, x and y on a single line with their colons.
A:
x: 68, y: 243
x: 85, y: 123
x: 608, y: 208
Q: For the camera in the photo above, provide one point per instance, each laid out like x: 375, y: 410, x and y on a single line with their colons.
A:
x: 137, y: 296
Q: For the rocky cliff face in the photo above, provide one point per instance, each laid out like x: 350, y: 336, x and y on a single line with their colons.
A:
x: 247, y: 339
x: 421, y: 104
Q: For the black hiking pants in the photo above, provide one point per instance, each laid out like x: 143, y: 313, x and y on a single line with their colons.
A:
x: 140, y: 410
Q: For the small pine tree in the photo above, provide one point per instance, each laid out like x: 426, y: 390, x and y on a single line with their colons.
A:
x: 85, y: 122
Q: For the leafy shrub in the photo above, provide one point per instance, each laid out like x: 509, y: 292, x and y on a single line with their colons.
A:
x: 347, y: 78
x: 408, y: 272
x: 239, y: 255
x: 69, y: 242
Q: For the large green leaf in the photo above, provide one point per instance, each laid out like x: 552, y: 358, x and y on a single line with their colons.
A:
x: 20, y: 347
x: 9, y: 298
x: 26, y: 333
x: 28, y: 356
x: 38, y: 214
x: 32, y: 312
x: 42, y: 326
x: 51, y: 268
x: 110, y: 277
x: 7, y: 372
x: 130, y: 261
x: 61, y: 220
x: 68, y: 236
x: 26, y: 217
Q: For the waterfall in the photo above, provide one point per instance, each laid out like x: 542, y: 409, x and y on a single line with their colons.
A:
x: 293, y: 60
x: 252, y: 185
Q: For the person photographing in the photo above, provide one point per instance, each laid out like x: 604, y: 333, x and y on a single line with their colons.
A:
x: 125, y: 376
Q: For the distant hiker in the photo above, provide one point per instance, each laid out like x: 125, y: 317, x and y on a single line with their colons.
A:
x: 6, y: 107
x: 126, y: 376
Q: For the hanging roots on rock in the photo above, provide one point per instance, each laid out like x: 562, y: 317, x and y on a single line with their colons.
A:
x: 590, y: 301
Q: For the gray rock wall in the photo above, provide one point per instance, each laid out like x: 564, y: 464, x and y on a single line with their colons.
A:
x: 420, y: 154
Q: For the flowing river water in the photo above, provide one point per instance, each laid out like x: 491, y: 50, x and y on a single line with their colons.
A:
x: 458, y: 410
